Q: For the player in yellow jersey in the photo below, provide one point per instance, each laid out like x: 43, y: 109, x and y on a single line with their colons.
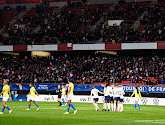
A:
x: 6, y: 95
x: 63, y: 95
x: 70, y: 97
x: 137, y: 97
x: 32, y: 96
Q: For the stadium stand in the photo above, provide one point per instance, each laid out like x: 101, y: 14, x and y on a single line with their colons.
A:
x: 55, y: 29
x: 31, y: 20
x: 72, y: 24
x: 38, y: 1
x: 7, y: 14
x: 2, y: 2
x: 84, y: 69
x: 152, y: 27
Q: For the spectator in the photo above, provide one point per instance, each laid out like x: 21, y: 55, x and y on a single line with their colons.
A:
x: 87, y: 69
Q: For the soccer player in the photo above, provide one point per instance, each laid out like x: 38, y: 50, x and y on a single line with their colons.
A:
x: 63, y: 95
x: 104, y: 103
x: 137, y: 96
x: 95, y: 92
x: 6, y: 95
x: 111, y: 90
x: 59, y: 95
x: 121, y: 98
x: 66, y: 88
x: 70, y: 96
x: 116, y: 97
x: 32, y: 96
x: 107, y: 98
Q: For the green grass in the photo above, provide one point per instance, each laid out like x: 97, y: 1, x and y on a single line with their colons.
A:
x: 52, y: 114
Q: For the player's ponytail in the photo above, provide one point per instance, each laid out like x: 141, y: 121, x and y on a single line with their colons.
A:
x: 137, y: 90
x: 5, y: 82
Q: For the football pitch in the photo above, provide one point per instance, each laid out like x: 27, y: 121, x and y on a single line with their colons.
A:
x: 51, y: 114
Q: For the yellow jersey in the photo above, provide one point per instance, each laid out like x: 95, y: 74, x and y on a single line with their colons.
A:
x: 71, y: 86
x: 32, y: 91
x: 6, y: 89
x: 63, y: 91
x: 137, y: 95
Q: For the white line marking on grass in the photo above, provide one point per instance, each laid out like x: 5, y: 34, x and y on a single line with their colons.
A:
x: 158, y: 121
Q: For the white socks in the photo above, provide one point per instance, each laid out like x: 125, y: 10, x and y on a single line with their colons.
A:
x: 105, y: 105
x: 122, y: 106
x: 108, y: 106
x: 112, y: 106
x: 118, y: 107
x: 115, y: 107
x: 95, y: 105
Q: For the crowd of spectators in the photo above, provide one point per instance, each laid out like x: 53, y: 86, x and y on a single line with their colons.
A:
x: 56, y: 27
x: 74, y: 4
x: 25, y: 35
x: 1, y: 23
x: 89, y: 69
x: 8, y: 8
x: 153, y: 24
x: 151, y: 29
x: 72, y: 24
x: 129, y: 13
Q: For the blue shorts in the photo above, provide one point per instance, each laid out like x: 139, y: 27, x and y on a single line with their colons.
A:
x: 117, y: 98
x: 121, y: 100
x: 96, y: 99
x: 107, y: 97
x: 111, y: 98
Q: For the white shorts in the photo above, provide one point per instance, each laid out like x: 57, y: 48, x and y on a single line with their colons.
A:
x: 5, y: 99
x: 32, y: 98
x: 63, y: 97
x: 70, y: 97
x: 137, y: 99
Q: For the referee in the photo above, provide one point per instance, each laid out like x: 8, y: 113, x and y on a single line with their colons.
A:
x: 59, y: 95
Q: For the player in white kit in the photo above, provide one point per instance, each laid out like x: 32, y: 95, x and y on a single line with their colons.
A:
x: 111, y: 94
x: 95, y: 92
x: 121, y: 98
x: 106, y: 98
x: 116, y: 97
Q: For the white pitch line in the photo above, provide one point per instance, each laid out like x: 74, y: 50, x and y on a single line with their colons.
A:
x: 158, y: 121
